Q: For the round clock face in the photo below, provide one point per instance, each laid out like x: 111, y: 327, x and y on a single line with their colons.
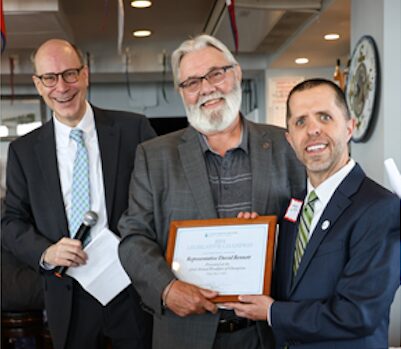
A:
x: 362, y: 86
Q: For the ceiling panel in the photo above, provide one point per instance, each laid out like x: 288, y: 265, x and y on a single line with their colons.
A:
x: 281, y: 29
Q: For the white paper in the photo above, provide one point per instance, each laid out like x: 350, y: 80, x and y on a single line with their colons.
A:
x: 103, y: 275
x: 278, y: 90
x: 393, y: 175
x: 293, y: 210
x: 226, y: 259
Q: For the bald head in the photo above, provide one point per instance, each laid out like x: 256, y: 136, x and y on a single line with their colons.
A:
x: 56, y: 48
x: 60, y: 62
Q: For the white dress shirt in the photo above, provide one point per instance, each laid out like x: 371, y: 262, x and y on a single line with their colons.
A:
x: 66, y: 149
x: 325, y: 191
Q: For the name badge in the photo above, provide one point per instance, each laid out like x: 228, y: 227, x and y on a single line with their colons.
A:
x: 293, y: 210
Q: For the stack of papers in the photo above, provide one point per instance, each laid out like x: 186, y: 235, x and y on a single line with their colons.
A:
x: 393, y: 175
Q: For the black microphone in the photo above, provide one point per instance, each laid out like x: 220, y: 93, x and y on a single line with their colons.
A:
x: 90, y: 219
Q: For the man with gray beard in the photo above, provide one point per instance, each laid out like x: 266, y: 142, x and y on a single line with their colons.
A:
x: 217, y: 167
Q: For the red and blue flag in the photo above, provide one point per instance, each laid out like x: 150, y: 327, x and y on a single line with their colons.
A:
x: 3, y: 27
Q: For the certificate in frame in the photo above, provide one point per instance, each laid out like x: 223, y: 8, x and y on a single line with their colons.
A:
x: 232, y: 256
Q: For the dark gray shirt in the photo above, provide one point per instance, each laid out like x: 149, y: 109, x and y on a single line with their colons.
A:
x: 230, y: 176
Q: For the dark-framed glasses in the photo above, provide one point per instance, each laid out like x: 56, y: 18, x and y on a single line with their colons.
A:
x: 214, y: 77
x: 69, y: 76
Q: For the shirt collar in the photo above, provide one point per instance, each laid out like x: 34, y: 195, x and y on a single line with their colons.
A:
x: 87, y: 125
x: 326, y: 189
x: 243, y: 143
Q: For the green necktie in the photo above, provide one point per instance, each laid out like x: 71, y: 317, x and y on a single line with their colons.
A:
x: 303, y: 230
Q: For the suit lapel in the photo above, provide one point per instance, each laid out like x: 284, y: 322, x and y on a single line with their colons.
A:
x: 336, y: 206
x: 195, y: 171
x: 109, y: 143
x: 46, y: 155
x: 260, y: 149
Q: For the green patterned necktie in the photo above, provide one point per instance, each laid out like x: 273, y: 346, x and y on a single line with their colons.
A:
x: 303, y: 231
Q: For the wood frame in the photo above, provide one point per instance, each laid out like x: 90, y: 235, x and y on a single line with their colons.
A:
x: 271, y: 221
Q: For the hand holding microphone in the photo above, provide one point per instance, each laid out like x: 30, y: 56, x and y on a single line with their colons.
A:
x: 90, y: 219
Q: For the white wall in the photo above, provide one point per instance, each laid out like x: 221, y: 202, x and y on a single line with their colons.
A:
x: 306, y: 73
x: 384, y: 25
x: 382, y: 20
x: 146, y: 98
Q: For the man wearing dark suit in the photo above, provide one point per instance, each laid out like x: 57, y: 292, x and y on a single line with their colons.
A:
x: 220, y: 165
x: 39, y: 199
x: 334, y: 288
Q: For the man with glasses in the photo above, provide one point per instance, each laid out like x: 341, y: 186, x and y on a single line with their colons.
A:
x: 220, y: 165
x: 45, y: 172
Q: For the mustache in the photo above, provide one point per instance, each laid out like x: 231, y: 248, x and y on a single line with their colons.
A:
x: 205, y: 99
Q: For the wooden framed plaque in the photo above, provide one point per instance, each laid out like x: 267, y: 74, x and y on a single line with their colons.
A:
x: 232, y: 256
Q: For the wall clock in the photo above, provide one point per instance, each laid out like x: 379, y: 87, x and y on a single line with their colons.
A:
x: 362, y: 87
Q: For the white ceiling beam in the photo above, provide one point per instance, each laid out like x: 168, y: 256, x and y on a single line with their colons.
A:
x: 215, y: 17
x: 310, y: 5
x: 24, y: 6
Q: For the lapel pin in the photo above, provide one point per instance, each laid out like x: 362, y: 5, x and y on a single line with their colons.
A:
x: 325, y: 224
x: 266, y: 145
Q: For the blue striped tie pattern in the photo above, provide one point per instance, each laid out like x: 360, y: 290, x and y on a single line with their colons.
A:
x: 303, y: 231
x: 80, y: 193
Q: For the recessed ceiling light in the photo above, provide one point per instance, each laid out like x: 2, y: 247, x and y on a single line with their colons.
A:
x: 332, y: 36
x: 301, y: 60
x: 141, y: 3
x: 141, y: 33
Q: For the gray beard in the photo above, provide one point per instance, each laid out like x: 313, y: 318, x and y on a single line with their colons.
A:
x: 208, y: 122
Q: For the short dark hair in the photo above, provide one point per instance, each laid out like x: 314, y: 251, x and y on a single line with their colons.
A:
x: 311, y: 83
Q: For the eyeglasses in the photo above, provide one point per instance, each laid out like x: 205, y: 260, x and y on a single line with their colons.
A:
x: 69, y: 76
x: 214, y: 77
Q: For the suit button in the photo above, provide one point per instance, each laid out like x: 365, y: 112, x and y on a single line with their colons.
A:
x: 68, y: 287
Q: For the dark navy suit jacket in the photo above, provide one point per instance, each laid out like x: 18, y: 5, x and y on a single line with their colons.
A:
x: 341, y: 295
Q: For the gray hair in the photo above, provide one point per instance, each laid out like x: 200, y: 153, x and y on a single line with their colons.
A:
x: 195, y: 44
